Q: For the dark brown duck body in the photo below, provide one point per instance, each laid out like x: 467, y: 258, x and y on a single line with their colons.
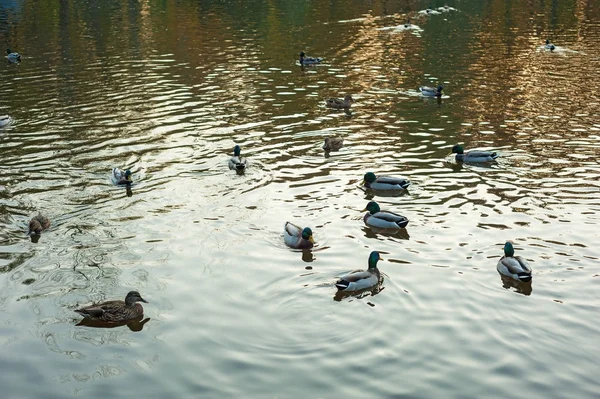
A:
x: 115, y: 311
x: 38, y: 224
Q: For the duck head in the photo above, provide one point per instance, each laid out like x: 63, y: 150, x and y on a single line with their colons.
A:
x: 372, y: 207
x: 458, y: 149
x: 374, y: 257
x: 348, y: 98
x: 8, y: 51
x: 237, y: 151
x: 307, y: 235
x: 369, y: 178
x: 509, y: 250
x: 128, y: 175
x: 547, y: 41
x: 133, y: 297
x: 439, y: 89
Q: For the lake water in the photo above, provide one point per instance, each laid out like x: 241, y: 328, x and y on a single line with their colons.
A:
x: 168, y: 88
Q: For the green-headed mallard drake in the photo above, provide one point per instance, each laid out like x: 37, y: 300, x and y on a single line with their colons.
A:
x: 13, y: 56
x: 513, y: 266
x: 236, y: 161
x: 5, y: 120
x: 115, y: 311
x: 296, y: 237
x: 38, y: 224
x: 361, y: 279
x: 431, y: 91
x: 120, y: 176
x: 473, y: 156
x: 549, y: 46
x: 375, y: 217
x: 333, y: 143
x: 385, y: 182
x: 338, y: 103
x: 305, y: 60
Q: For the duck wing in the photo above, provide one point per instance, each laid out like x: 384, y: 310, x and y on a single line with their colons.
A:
x: 391, y: 217
x: 101, y: 309
x: 515, y: 264
x: 481, y: 154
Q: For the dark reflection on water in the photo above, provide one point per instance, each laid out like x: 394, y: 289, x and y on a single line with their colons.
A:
x: 168, y: 89
x: 134, y: 325
x: 520, y: 287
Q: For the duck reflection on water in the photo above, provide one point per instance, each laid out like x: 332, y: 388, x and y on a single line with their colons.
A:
x: 520, y: 287
x: 134, y: 325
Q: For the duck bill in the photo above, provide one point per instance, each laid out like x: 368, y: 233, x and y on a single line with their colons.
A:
x: 364, y: 210
x: 143, y: 300
x: 311, y: 239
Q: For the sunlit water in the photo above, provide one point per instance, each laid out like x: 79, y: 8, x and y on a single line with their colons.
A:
x: 167, y: 89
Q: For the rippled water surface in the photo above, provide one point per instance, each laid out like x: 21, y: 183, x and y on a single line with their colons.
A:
x: 168, y: 88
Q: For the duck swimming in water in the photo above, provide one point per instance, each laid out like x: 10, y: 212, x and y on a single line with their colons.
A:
x: 549, y: 46
x: 236, y: 161
x: 361, y: 279
x: 5, y: 120
x: 431, y: 91
x: 13, y: 56
x: 120, y: 176
x: 333, y: 143
x: 513, y: 266
x: 375, y: 217
x: 473, y: 156
x: 115, y: 311
x: 38, y: 224
x: 386, y: 183
x: 296, y: 237
x: 305, y: 60
x: 338, y: 103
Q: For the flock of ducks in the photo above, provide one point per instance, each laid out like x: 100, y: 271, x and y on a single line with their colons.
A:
x: 509, y: 265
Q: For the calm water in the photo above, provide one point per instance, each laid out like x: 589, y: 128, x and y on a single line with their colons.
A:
x: 168, y: 88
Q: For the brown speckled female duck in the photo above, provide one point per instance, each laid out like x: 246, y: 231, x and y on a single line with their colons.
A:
x: 115, y: 311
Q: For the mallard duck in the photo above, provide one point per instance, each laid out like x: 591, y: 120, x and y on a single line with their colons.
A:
x: 429, y: 11
x: 361, y: 279
x: 375, y: 217
x: 236, y: 161
x: 296, y: 237
x: 549, y: 46
x: 304, y: 60
x: 38, y: 224
x: 4, y: 120
x: 513, y: 266
x: 120, y: 176
x: 115, y: 311
x: 473, y: 156
x: 385, y: 182
x: 12, y: 56
x: 333, y: 143
x: 340, y: 104
x: 431, y: 91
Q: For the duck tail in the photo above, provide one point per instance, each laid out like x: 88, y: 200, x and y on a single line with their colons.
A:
x: 342, y: 285
x: 494, y: 155
x: 524, y: 277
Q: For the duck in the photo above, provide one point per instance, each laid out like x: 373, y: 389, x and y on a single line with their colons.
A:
x: 385, y: 182
x: 115, y: 311
x: 431, y: 91
x: 304, y: 60
x: 5, y: 120
x: 338, y: 103
x: 429, y: 10
x: 333, y: 143
x: 120, y: 176
x: 38, y: 224
x: 549, y: 46
x: 236, y: 161
x: 297, y: 237
x: 473, y: 156
x: 361, y: 279
x: 513, y: 266
x: 13, y: 56
x: 375, y: 217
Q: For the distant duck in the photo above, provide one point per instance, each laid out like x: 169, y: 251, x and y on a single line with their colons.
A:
x: 13, y: 56
x: 429, y: 11
x: 298, y: 238
x: 375, y: 217
x: 5, y: 120
x: 407, y: 24
x: 115, y: 311
x: 361, y: 279
x: 513, y: 266
x: 473, y: 156
x: 120, y: 176
x: 431, y: 91
x: 304, y: 60
x: 236, y: 161
x: 38, y: 224
x: 333, y: 143
x: 549, y: 46
x: 385, y: 182
x: 338, y: 103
